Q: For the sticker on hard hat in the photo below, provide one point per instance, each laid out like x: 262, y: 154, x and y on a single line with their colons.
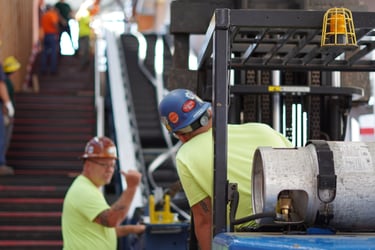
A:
x: 173, y: 117
x: 165, y: 122
x: 190, y: 95
x: 111, y: 150
x: 90, y: 149
x: 188, y: 106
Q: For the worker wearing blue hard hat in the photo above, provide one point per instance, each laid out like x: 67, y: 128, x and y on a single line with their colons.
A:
x: 189, y: 118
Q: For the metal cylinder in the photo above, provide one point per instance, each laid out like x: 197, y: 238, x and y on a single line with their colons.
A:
x: 295, y: 170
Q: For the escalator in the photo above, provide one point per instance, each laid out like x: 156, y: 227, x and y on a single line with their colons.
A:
x: 135, y: 87
x: 143, y: 92
x: 144, y: 95
x: 148, y: 60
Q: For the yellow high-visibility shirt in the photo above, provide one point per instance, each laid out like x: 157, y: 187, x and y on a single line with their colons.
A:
x: 195, y: 162
x: 82, y: 204
x: 84, y: 25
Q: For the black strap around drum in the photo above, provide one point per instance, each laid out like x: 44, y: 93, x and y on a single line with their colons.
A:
x: 326, y: 178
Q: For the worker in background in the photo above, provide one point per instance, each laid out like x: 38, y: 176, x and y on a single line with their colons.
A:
x: 10, y: 65
x: 190, y: 120
x: 65, y: 14
x: 6, y: 109
x: 88, y: 222
x: 95, y: 8
x: 50, y: 26
x: 84, y: 19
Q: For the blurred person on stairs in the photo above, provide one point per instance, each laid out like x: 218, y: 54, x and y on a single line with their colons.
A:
x: 50, y: 26
x: 6, y: 108
x: 10, y: 65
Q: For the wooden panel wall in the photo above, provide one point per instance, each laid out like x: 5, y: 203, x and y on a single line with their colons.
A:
x: 19, y: 33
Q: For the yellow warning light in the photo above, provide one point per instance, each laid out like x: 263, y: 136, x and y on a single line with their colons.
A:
x: 338, y: 29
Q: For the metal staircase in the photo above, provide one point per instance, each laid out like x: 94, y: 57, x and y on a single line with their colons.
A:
x: 50, y: 131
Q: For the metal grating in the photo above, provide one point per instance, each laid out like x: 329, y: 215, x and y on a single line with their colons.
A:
x: 290, y: 39
x: 285, y: 40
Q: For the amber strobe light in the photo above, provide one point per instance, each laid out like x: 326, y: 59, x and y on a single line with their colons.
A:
x: 338, y: 29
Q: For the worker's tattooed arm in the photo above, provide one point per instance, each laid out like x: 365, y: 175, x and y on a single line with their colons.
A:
x: 103, y: 217
x: 114, y: 216
x: 202, y: 213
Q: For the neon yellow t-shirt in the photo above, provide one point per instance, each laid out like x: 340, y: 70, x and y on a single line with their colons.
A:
x: 195, y: 162
x: 84, y: 25
x: 82, y: 204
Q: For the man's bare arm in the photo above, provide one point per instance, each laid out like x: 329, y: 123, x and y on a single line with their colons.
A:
x: 116, y: 214
x: 129, y: 229
x: 202, y: 212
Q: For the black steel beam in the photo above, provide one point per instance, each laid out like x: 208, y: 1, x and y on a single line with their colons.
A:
x: 255, y: 36
x: 220, y: 120
x: 240, y: 89
x: 233, y: 31
x: 193, y: 17
x: 297, y: 65
x: 295, y: 19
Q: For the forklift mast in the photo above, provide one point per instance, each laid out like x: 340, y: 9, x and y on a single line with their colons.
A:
x: 269, y: 66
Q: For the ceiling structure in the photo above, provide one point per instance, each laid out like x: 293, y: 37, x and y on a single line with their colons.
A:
x: 105, y: 5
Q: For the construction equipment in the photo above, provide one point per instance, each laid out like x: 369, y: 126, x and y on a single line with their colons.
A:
x: 269, y: 66
x: 163, y: 228
x: 316, y: 185
x: 310, y: 197
x: 160, y: 213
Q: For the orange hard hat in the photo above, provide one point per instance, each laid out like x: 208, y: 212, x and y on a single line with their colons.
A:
x: 94, y: 10
x: 100, y: 147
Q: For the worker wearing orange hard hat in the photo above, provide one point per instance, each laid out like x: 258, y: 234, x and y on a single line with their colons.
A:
x: 88, y: 222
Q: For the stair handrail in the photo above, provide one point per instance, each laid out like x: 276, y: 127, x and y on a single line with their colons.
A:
x: 122, y: 107
x: 159, y: 160
x: 158, y: 84
x: 157, y: 81
x: 99, y: 61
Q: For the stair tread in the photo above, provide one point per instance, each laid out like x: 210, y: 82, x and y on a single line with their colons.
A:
x: 27, y: 228
x: 45, y: 164
x: 29, y: 214
x: 31, y: 243
x: 50, y: 137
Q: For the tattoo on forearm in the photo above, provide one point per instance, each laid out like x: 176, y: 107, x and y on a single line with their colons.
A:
x: 118, y: 207
x: 204, y: 206
x: 104, y: 218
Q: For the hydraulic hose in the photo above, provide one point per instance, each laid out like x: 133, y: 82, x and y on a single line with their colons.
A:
x: 254, y: 217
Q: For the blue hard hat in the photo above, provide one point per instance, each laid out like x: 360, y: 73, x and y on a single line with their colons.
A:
x: 180, y: 108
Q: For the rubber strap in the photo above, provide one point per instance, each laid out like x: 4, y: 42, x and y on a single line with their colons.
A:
x: 326, y: 178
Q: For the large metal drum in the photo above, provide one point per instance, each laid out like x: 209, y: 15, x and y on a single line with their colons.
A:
x: 295, y: 171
